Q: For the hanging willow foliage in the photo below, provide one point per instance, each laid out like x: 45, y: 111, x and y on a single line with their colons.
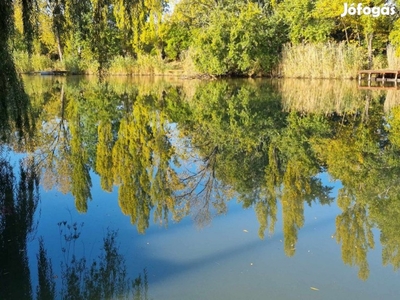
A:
x: 13, y: 100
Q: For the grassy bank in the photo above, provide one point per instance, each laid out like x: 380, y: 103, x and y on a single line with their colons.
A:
x: 119, y: 65
x: 315, y: 61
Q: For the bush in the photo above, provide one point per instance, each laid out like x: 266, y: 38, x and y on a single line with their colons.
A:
x: 72, y: 64
x: 41, y: 62
x: 22, y: 63
x: 240, y: 39
x: 35, y: 63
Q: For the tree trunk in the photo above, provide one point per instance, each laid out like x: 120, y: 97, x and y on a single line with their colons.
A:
x: 59, y: 45
x: 369, y: 40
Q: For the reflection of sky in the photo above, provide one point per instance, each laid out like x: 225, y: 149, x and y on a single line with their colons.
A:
x: 225, y: 260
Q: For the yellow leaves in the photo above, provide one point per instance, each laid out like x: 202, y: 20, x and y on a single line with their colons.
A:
x: 328, y: 9
x: 141, y: 19
x: 18, y: 16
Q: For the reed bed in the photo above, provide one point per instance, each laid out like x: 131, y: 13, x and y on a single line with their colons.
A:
x: 392, y: 58
x: 330, y: 60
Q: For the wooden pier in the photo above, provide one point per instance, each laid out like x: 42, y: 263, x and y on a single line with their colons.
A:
x: 378, y: 75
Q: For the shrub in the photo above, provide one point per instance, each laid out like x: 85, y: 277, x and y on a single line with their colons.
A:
x: 35, y: 63
x: 240, y: 39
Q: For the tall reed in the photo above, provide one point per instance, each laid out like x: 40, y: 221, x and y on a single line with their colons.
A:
x: 121, y: 65
x: 330, y: 60
x: 392, y: 58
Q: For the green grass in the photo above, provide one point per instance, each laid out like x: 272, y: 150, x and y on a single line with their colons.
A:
x: 35, y: 63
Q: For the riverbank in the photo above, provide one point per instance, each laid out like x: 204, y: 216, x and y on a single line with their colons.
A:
x: 323, y: 61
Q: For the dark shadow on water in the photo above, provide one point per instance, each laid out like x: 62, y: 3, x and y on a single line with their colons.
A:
x: 18, y: 203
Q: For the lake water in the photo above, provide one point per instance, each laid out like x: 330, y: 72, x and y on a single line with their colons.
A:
x: 152, y: 188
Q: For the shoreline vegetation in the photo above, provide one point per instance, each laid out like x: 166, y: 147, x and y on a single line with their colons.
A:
x: 312, y: 61
x: 201, y: 38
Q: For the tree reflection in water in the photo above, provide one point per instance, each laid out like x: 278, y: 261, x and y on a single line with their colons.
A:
x: 174, y: 151
x: 18, y: 202
x: 105, y: 278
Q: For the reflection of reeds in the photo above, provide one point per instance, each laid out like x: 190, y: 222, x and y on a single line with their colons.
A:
x: 36, y: 86
x: 330, y: 60
x: 392, y: 100
x: 322, y: 96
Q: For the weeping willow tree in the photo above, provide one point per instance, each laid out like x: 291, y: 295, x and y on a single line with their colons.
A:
x: 6, y: 30
x: 13, y: 100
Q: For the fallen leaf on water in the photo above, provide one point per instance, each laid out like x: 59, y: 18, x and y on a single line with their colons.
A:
x: 314, y: 289
x: 244, y: 230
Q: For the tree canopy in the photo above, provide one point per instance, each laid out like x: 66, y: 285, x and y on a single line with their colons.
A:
x: 222, y: 37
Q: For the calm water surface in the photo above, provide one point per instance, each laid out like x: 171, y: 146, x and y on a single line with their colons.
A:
x: 168, y: 189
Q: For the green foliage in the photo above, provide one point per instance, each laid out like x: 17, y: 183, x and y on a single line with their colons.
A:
x: 139, y: 22
x: 239, y: 39
x: 304, y: 24
x: 104, y: 35
x: 394, y: 36
x: 221, y: 37
x: 177, y: 38
x: 73, y: 64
